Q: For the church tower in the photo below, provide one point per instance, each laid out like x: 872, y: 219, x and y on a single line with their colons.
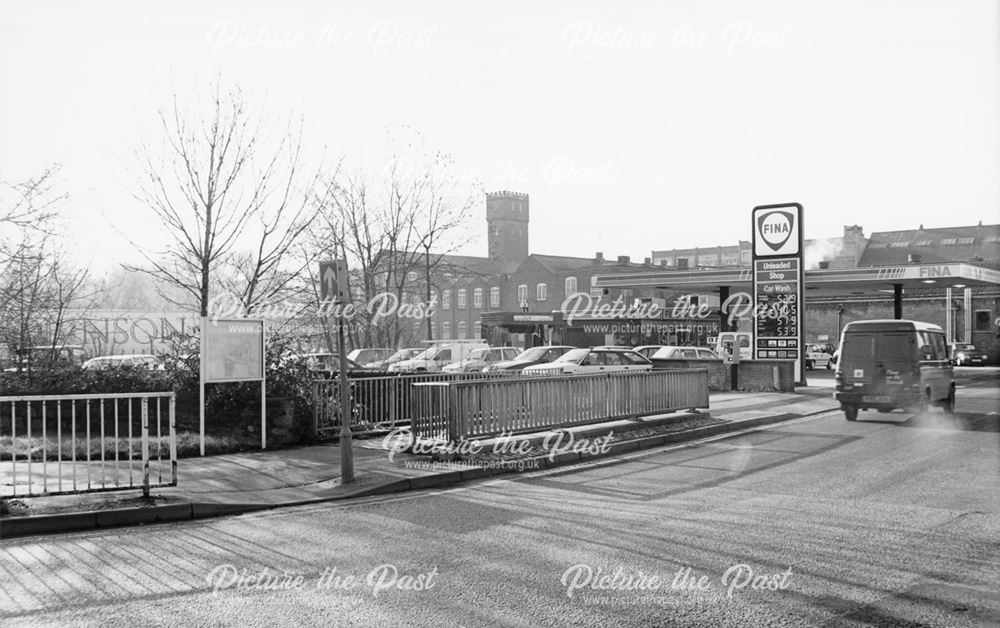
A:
x: 507, y: 227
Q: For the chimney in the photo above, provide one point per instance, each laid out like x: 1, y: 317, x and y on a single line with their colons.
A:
x: 648, y: 261
x: 682, y: 263
x: 823, y: 265
x: 598, y: 257
x: 624, y: 259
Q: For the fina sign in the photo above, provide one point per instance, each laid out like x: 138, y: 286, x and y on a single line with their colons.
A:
x: 777, y: 230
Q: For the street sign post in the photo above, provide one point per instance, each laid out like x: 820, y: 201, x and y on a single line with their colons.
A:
x: 777, y: 285
x: 335, y: 288
x: 333, y: 284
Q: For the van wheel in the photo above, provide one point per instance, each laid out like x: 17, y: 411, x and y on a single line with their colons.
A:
x: 829, y: 364
x: 851, y: 413
x: 809, y: 365
x: 948, y: 405
x: 925, y: 402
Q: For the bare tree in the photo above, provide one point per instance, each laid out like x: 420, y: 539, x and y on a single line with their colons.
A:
x: 216, y: 176
x: 393, y: 229
x: 28, y: 209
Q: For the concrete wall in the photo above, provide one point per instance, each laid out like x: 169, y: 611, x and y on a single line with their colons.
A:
x: 752, y: 376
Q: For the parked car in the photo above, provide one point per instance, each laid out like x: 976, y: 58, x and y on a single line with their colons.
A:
x: 819, y: 355
x: 479, y: 359
x: 595, y: 360
x: 647, y: 351
x: 324, y: 364
x: 435, y: 357
x: 531, y: 357
x: 46, y: 356
x: 966, y: 354
x: 685, y: 353
x: 138, y: 360
x: 398, y: 356
x: 366, y: 357
x: 890, y: 364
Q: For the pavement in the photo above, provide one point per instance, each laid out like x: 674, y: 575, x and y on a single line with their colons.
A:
x: 246, y: 482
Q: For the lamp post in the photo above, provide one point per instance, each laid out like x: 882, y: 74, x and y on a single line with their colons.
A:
x: 840, y: 321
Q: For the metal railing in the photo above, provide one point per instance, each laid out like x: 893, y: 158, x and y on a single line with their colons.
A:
x: 51, y: 444
x: 379, y: 402
x: 456, y: 411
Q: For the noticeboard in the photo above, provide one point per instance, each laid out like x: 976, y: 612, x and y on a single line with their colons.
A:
x: 233, y: 350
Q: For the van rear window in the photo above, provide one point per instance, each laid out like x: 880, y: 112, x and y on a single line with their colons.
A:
x: 896, y: 347
x: 858, y: 346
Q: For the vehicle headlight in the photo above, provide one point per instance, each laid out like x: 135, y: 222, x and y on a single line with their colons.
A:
x: 961, y: 355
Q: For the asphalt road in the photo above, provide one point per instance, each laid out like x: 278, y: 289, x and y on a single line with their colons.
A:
x: 887, y: 521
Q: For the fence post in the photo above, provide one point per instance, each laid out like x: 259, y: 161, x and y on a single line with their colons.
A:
x: 173, y: 439
x: 145, y: 446
x: 450, y: 400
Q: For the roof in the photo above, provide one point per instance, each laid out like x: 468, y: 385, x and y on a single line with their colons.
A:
x: 890, y: 325
x: 561, y: 263
x: 978, y: 243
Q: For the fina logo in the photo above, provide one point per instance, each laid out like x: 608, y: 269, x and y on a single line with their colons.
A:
x: 775, y: 228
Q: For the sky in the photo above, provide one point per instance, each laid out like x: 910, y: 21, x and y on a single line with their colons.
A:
x: 632, y: 125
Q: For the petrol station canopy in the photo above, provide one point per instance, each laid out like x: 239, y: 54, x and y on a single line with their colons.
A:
x: 818, y: 283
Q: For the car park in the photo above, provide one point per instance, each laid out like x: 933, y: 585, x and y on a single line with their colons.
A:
x: 684, y: 353
x: 137, y: 360
x: 530, y: 357
x: 594, y: 360
x: 479, y: 359
x: 966, y: 354
x: 820, y: 356
x: 893, y: 364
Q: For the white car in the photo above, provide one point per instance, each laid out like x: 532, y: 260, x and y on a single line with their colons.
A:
x: 143, y: 361
x: 684, y: 353
x: 437, y: 356
x: 480, y: 359
x: 596, y: 360
x: 820, y: 355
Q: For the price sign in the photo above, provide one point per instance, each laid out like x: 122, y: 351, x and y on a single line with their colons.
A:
x: 777, y: 282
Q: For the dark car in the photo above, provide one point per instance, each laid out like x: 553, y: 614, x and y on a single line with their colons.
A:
x: 966, y: 354
x: 530, y: 357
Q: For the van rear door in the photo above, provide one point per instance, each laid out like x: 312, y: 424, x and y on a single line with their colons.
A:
x: 858, y: 366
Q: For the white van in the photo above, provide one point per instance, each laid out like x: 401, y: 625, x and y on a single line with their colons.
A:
x: 741, y: 339
x: 436, y: 356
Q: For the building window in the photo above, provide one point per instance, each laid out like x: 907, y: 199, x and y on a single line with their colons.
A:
x: 494, y: 297
x: 522, y: 292
x: 477, y: 298
x: 461, y: 298
x: 446, y: 299
x: 541, y: 291
x: 463, y: 329
x: 477, y: 330
x: 411, y: 276
x: 446, y: 330
x: 594, y: 290
x: 982, y: 322
x: 447, y: 277
x: 570, y: 285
